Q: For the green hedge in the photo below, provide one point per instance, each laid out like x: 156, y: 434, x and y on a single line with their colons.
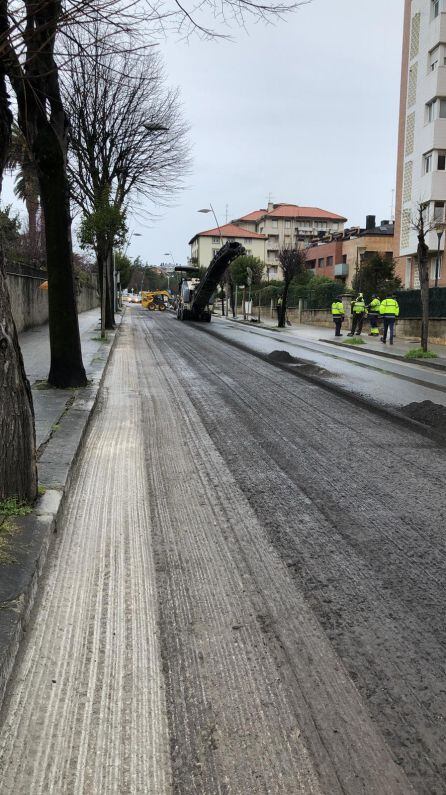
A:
x: 319, y: 293
x: 410, y: 302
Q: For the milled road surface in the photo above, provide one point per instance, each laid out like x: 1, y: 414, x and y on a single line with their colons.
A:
x: 246, y: 596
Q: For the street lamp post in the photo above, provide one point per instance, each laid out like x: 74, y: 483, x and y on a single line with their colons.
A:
x: 439, y: 230
x: 168, y: 275
x: 210, y: 209
x: 131, y: 235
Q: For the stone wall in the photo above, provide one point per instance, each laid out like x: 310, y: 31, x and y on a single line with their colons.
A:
x: 408, y: 328
x: 29, y: 301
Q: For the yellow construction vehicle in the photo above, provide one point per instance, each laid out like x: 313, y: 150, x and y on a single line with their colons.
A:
x: 155, y: 300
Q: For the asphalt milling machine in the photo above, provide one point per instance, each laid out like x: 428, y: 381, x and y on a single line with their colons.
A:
x: 194, y: 293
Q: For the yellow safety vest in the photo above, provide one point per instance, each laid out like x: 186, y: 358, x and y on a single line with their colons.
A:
x: 389, y: 307
x: 359, y: 306
x: 337, y: 308
x: 374, y: 306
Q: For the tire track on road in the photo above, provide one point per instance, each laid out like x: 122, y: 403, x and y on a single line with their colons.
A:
x: 376, y: 585
x: 259, y: 680
x: 85, y: 710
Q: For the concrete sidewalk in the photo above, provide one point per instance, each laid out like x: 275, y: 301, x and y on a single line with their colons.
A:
x: 62, y: 417
x: 49, y: 404
x: 371, y: 344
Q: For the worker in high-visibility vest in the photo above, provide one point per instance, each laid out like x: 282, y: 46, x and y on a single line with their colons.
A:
x: 373, y: 315
x: 358, y: 315
x: 389, y: 311
x: 338, y: 313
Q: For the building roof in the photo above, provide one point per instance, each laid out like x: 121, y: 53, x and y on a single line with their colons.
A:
x: 229, y: 230
x: 256, y: 215
x: 295, y: 211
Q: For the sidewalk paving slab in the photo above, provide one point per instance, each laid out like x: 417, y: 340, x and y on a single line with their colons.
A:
x: 62, y: 418
x: 396, y: 351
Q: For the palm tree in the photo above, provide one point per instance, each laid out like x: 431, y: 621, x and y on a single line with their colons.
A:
x: 26, y: 184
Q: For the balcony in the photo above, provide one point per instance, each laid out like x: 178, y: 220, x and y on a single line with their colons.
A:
x: 341, y: 269
x: 437, y: 30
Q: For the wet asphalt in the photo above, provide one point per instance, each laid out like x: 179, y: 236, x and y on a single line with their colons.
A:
x: 355, y: 506
x: 245, y: 595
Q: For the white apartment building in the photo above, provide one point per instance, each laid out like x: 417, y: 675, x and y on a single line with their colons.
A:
x: 421, y: 173
x: 204, y: 245
x: 288, y: 225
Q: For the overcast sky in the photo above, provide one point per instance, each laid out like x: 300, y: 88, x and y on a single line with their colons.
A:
x: 305, y: 111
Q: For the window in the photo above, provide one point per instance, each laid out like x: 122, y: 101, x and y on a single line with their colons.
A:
x: 438, y: 211
x: 274, y: 223
x: 431, y: 110
x: 273, y: 270
x: 436, y: 109
x: 434, y: 267
x: 434, y: 56
x: 247, y: 240
x: 329, y: 262
x: 214, y: 251
x: 287, y: 224
x: 215, y: 239
x: 427, y: 163
x: 435, y: 5
x: 344, y: 259
x: 441, y: 161
x: 320, y: 262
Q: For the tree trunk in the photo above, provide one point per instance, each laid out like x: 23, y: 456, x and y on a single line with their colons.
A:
x: 423, y: 270
x: 282, y: 312
x: 32, y: 208
x: 232, y: 298
x: 105, y: 265
x: 110, y: 296
x: 18, y: 471
x: 66, y: 368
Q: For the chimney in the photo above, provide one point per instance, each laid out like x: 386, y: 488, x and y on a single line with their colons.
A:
x: 385, y: 223
x: 270, y: 207
x: 370, y: 222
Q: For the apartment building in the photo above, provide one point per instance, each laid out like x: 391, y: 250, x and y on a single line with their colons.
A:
x: 341, y: 256
x: 421, y: 169
x: 205, y: 244
x: 287, y: 225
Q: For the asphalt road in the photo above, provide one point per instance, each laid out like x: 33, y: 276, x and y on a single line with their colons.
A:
x: 382, y: 380
x: 247, y: 594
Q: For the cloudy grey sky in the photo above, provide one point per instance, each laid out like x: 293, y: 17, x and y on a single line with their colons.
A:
x: 305, y: 110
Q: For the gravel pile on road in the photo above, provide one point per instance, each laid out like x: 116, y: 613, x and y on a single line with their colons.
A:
x: 427, y: 412
x: 283, y: 357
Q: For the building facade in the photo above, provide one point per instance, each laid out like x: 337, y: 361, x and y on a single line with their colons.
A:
x: 289, y: 225
x: 421, y: 168
x: 204, y: 245
x: 341, y: 256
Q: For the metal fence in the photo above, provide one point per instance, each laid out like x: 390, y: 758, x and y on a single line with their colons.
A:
x: 410, y: 303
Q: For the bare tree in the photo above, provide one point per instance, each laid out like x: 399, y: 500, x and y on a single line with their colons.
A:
x: 128, y: 139
x: 422, y: 227
x: 293, y: 263
x: 30, y: 59
x: 18, y: 472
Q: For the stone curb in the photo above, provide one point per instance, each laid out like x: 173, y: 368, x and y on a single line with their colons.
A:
x: 383, y: 411
x: 33, y: 533
x: 395, y: 356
